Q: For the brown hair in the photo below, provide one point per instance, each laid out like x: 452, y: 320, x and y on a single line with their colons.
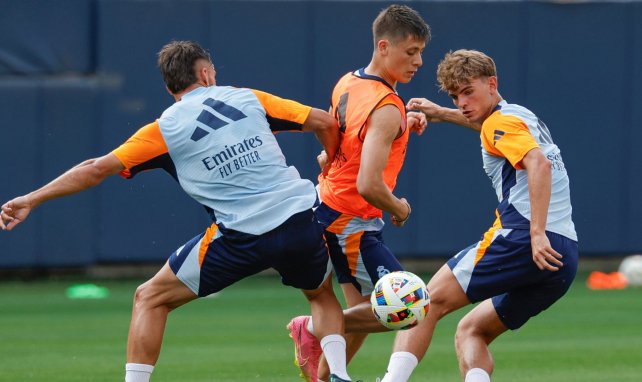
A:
x: 176, y: 63
x: 462, y: 66
x: 397, y: 22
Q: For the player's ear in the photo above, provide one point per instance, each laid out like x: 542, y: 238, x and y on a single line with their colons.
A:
x: 382, y: 46
x: 492, y: 83
x: 201, y: 73
x: 202, y: 76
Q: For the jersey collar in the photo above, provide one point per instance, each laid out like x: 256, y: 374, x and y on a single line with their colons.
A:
x: 361, y: 73
x: 194, y: 92
x: 499, y: 106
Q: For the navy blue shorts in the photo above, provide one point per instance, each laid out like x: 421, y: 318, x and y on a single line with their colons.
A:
x: 359, y: 255
x: 501, y: 267
x: 220, y: 257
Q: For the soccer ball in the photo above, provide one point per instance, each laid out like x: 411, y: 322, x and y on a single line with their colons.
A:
x: 400, y: 300
x: 631, y: 268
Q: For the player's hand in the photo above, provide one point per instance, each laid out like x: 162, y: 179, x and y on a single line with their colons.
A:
x: 430, y: 109
x: 14, y: 212
x: 544, y: 256
x: 324, y: 164
x: 399, y: 221
x: 417, y: 122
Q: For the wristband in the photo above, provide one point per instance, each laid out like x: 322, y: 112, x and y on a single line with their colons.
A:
x: 407, y: 216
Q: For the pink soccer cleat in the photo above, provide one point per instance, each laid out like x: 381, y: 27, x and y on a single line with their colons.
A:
x: 307, y: 348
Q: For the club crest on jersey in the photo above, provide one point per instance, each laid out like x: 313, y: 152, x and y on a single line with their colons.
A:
x: 382, y: 271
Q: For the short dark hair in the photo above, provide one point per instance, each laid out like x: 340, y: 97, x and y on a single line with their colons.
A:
x: 176, y: 63
x: 397, y: 22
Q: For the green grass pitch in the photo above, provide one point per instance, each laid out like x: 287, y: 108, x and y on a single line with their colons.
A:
x: 240, y: 335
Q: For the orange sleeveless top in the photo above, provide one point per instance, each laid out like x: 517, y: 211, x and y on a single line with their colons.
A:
x: 355, y: 97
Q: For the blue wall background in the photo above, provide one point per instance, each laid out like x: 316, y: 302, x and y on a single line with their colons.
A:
x: 77, y: 77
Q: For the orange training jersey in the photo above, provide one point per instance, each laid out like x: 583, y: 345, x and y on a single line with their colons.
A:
x: 354, y: 98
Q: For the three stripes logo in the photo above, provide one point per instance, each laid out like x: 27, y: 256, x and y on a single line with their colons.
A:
x: 212, y: 121
x: 498, y: 135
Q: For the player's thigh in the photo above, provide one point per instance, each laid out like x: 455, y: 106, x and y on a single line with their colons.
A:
x: 325, y: 289
x: 165, y: 289
x: 361, y: 258
x: 214, y: 260
x: 353, y: 296
x: 501, y: 267
x: 446, y: 294
x: 482, y: 321
x: 501, y: 261
x: 298, y: 251
x: 518, y: 305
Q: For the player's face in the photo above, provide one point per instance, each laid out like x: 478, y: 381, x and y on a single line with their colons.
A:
x: 476, y: 99
x: 403, y: 59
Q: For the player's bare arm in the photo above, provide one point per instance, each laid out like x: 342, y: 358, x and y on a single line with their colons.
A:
x: 80, y: 177
x: 538, y: 169
x: 383, y: 128
x: 326, y: 130
x: 437, y: 113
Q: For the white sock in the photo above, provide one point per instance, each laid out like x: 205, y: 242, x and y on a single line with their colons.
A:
x: 138, y: 372
x: 477, y: 375
x: 310, y: 326
x: 334, y: 349
x: 400, y: 367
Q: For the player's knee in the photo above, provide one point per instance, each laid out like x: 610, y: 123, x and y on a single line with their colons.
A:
x: 319, y: 294
x: 468, y: 328
x: 146, y: 296
x: 141, y: 294
x: 325, y: 290
x: 463, y: 331
x: 438, y: 307
x: 442, y: 300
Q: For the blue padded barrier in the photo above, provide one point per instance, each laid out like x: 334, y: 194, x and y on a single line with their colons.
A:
x: 581, y: 76
x: 46, y: 37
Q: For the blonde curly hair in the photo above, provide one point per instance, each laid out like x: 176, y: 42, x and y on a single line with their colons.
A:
x: 462, y: 66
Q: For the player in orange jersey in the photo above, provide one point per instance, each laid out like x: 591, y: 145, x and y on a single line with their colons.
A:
x: 360, y: 182
x: 218, y: 143
x: 528, y: 259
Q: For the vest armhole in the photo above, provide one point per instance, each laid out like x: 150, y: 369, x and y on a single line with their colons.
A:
x: 362, y: 132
